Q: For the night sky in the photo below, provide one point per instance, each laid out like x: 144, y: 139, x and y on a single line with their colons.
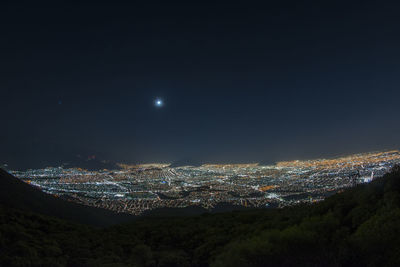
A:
x: 238, y: 82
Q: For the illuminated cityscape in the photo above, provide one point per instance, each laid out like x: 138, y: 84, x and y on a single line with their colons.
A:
x: 138, y: 188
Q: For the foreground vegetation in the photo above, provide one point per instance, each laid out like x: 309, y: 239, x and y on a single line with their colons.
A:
x: 360, y: 226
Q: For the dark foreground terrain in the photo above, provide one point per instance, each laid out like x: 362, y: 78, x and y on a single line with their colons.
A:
x: 359, y: 227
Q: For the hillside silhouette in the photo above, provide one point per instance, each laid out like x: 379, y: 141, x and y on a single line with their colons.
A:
x: 358, y: 227
x: 20, y: 195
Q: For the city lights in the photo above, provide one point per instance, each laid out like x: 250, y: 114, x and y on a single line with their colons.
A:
x: 137, y: 188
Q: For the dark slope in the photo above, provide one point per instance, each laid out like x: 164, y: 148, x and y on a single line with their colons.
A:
x: 19, y: 195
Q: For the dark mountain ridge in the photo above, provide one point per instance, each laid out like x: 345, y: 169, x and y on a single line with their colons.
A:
x: 17, y: 194
x: 186, y: 162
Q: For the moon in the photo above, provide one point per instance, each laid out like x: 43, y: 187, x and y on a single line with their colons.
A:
x: 158, y: 102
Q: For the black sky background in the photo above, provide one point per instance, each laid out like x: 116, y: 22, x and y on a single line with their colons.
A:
x: 241, y: 82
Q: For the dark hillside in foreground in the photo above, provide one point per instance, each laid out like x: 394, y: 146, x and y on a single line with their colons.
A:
x: 17, y: 194
x: 360, y: 227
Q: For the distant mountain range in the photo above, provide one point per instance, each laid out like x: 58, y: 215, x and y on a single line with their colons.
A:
x: 186, y: 162
x: 90, y: 163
